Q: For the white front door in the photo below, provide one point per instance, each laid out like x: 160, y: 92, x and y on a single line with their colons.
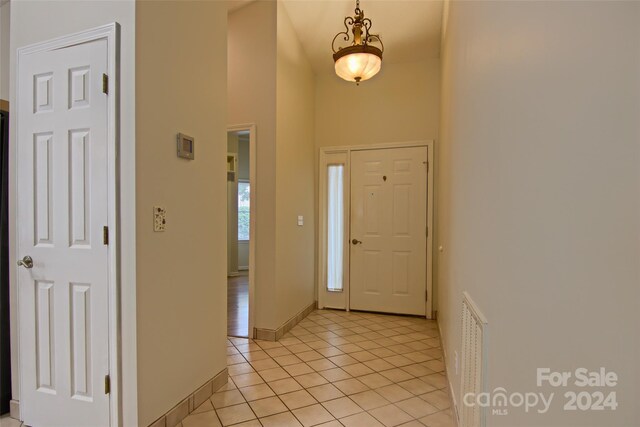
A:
x: 62, y: 209
x: 389, y: 230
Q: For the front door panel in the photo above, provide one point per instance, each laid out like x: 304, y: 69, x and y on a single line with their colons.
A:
x: 389, y: 225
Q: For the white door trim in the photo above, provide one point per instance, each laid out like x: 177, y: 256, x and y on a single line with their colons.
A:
x: 251, y: 127
x: 324, y: 152
x: 110, y: 33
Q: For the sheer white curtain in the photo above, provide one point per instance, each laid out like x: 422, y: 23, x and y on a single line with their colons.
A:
x: 335, y: 226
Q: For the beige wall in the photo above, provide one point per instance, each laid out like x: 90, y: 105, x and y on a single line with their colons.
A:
x: 37, y: 21
x: 251, y: 98
x: 237, y: 251
x: 244, y: 161
x: 271, y: 84
x: 181, y: 273
x: 540, y: 194
x: 295, y: 245
x: 243, y: 157
x: 5, y: 26
x: 400, y: 104
x: 243, y: 256
x: 232, y: 210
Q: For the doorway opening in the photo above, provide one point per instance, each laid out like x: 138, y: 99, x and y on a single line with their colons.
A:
x: 240, y: 229
x: 376, y: 210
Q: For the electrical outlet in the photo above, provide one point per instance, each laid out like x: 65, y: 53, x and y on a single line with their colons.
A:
x: 159, y: 218
x: 300, y: 220
x: 456, y: 363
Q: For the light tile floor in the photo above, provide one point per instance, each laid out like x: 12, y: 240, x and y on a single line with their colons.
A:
x: 335, y: 369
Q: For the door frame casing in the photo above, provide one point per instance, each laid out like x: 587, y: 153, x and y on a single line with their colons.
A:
x: 110, y: 33
x: 251, y: 127
x: 325, y: 154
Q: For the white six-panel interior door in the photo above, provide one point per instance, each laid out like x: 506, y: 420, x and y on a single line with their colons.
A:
x: 388, y: 239
x: 62, y: 194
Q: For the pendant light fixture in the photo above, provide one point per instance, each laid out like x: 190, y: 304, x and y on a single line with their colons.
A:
x: 360, y: 60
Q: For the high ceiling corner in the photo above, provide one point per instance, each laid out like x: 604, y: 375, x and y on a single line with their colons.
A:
x: 233, y: 5
x: 410, y: 29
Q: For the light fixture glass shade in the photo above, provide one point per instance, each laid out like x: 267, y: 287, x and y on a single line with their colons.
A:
x: 363, y: 58
x: 358, y: 67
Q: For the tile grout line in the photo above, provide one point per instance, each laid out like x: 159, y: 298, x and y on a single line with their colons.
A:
x: 338, y: 333
x: 245, y: 399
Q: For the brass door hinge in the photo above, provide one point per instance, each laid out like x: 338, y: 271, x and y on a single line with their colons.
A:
x: 105, y: 235
x: 107, y: 384
x: 105, y: 84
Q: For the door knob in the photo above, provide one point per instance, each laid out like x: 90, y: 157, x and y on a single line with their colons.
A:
x: 26, y: 262
x: 356, y: 241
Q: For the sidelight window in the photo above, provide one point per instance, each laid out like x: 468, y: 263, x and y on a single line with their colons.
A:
x: 335, y: 227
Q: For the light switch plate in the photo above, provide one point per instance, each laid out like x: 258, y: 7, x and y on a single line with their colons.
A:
x: 300, y: 220
x: 159, y: 218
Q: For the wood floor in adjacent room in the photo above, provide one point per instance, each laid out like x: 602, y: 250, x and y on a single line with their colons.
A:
x: 238, y: 306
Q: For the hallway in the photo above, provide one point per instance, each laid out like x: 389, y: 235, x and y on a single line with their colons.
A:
x: 335, y: 368
x: 238, y: 306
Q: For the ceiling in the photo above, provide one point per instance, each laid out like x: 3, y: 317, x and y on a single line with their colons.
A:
x: 235, y: 4
x: 410, y: 30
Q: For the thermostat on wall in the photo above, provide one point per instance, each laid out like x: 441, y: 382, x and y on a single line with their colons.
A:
x: 186, y: 145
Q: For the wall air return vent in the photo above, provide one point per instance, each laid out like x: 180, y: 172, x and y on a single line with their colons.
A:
x: 474, y: 334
